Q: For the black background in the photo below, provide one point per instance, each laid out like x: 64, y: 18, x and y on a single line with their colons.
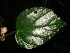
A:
x: 9, y: 11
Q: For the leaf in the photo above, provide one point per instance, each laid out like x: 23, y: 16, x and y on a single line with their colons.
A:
x: 35, y: 26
